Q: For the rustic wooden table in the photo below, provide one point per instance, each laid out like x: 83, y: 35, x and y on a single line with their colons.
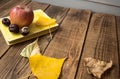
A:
x: 81, y: 34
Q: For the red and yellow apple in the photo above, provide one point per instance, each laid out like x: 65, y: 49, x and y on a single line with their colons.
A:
x: 21, y: 15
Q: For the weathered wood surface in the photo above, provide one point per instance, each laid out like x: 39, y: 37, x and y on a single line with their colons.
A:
x: 118, y: 34
x: 78, y: 37
x: 68, y: 41
x: 101, y: 43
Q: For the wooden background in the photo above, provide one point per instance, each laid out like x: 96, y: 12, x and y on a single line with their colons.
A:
x: 81, y: 34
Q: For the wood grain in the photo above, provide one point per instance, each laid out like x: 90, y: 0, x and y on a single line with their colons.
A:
x: 59, y: 14
x: 74, y: 39
x: 68, y: 41
x: 3, y: 46
x: 101, y: 43
x: 118, y: 34
x: 2, y: 2
x: 6, y: 7
x: 20, y: 66
x: 10, y: 62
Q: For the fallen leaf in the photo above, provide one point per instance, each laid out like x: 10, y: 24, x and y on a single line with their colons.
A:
x: 43, y: 19
x: 26, y: 52
x: 96, y: 67
x: 44, y: 67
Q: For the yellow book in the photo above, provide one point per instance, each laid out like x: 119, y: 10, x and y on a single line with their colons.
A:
x: 36, y: 30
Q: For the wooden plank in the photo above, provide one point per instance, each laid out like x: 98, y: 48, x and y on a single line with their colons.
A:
x: 3, y: 46
x: 5, y: 8
x: 20, y: 67
x: 2, y: 2
x: 4, y: 11
x: 59, y: 14
x: 101, y: 43
x: 68, y: 41
x: 118, y: 34
x: 9, y: 62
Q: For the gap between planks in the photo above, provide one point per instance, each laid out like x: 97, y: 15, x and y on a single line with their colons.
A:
x: 83, y: 45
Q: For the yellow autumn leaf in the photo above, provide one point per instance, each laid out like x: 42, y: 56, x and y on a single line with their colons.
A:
x: 44, y: 67
x: 43, y: 19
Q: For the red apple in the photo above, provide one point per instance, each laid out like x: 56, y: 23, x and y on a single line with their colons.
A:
x: 21, y: 15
